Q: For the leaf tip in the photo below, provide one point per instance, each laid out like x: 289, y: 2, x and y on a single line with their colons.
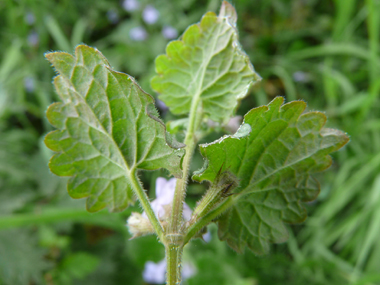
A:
x: 228, y: 11
x: 54, y: 56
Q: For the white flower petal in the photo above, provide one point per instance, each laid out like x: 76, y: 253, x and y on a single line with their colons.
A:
x: 154, y: 272
x: 165, y: 192
x: 164, y: 196
x: 187, y: 212
x: 188, y: 270
x: 158, y: 210
x: 160, y: 186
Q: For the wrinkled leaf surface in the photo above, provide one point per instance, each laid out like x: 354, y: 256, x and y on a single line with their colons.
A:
x: 273, y: 155
x: 107, y: 129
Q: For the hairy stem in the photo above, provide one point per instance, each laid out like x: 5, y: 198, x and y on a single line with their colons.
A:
x: 143, y: 198
x: 173, y: 263
x: 203, y: 221
x: 180, y: 191
x: 174, y: 237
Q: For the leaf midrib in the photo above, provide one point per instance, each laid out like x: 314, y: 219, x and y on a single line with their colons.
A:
x: 129, y: 171
x: 252, y: 185
x: 202, y: 70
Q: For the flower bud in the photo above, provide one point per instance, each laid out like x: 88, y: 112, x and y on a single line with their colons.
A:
x: 138, y: 225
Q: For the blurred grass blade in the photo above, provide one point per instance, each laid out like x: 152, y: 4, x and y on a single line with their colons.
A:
x: 373, y: 232
x: 333, y: 49
x: 373, y: 25
x: 57, y: 34
x: 53, y: 215
x: 349, y: 105
x: 344, y: 10
x: 78, y: 32
x: 341, y: 79
x: 11, y: 59
x: 347, y: 190
x: 283, y: 74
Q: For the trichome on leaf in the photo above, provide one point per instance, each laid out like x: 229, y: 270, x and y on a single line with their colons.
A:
x: 108, y: 130
x: 274, y: 163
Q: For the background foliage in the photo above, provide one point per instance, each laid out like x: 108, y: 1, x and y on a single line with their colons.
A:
x: 324, y: 52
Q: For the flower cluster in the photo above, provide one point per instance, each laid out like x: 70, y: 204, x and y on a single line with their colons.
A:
x: 150, y: 15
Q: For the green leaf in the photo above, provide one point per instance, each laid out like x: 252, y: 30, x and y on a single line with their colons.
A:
x: 205, y: 67
x: 273, y: 154
x: 108, y: 128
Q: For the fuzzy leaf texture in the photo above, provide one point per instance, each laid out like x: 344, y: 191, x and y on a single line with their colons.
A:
x: 206, y: 68
x: 273, y: 155
x: 107, y: 129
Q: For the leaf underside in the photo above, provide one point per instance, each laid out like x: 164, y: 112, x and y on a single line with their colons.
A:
x: 207, y: 66
x: 273, y: 154
x: 107, y: 129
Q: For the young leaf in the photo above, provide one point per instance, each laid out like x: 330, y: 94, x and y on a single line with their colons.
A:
x: 205, y: 67
x: 108, y: 128
x: 273, y: 154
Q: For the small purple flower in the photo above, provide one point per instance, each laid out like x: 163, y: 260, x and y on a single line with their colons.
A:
x: 150, y: 14
x: 29, y: 18
x: 29, y: 84
x: 207, y: 237
x: 169, y: 32
x: 112, y: 16
x: 130, y: 5
x: 300, y: 76
x: 161, y: 105
x: 33, y: 39
x: 138, y: 34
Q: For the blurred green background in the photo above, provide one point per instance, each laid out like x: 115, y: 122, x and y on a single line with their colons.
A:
x: 325, y: 52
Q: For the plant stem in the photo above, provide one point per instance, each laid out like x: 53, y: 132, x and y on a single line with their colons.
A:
x: 180, y: 190
x: 143, y: 198
x: 174, y: 236
x: 173, y: 264
x: 206, y: 219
